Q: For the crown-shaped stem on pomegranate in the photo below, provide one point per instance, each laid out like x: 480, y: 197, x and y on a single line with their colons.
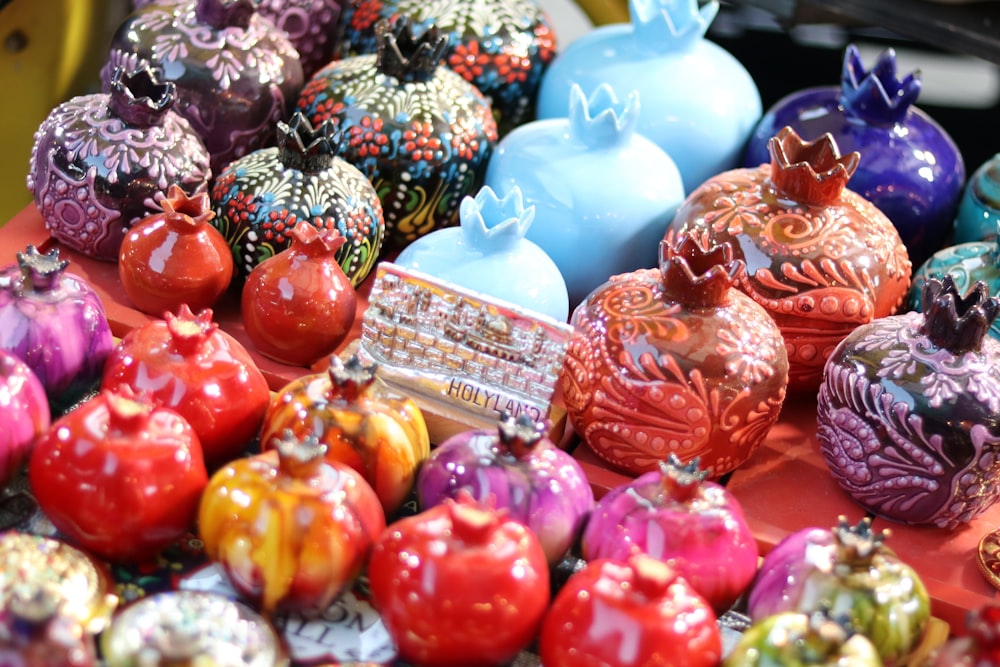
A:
x: 316, y: 241
x: 128, y: 410
x: 827, y: 632
x: 809, y: 172
x: 955, y: 322
x: 187, y: 330
x: 221, y: 14
x: 406, y: 56
x: 299, y: 457
x: 698, y: 271
x: 601, y: 120
x: 492, y: 222
x: 877, y: 96
x: 138, y: 97
x: 350, y: 378
x: 40, y: 272
x: 521, y: 434
x: 186, y: 210
x: 305, y: 148
x: 661, y: 26
x: 857, y: 544
x: 681, y: 481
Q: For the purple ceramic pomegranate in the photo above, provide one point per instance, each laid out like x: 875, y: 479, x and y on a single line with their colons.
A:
x: 907, y: 410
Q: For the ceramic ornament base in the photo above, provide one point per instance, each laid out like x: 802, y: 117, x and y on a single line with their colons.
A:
x: 464, y: 357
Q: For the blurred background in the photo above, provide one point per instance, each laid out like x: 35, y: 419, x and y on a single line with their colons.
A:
x: 51, y: 50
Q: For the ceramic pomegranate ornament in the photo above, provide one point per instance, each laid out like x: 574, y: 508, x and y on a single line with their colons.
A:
x: 702, y: 103
x: 850, y: 571
x: 978, y: 646
x: 101, y: 162
x: 175, y: 257
x: 910, y: 169
x: 674, y: 361
x: 798, y: 639
x: 677, y: 516
x: 24, y: 411
x: 259, y: 198
x: 820, y: 258
x: 518, y: 469
x: 184, y: 362
x: 502, y: 47
x: 907, y: 410
x: 55, y: 323
x: 460, y: 585
x: 235, y: 73
x: 979, y: 208
x: 420, y: 132
x: 311, y: 26
x: 299, y: 305
x: 665, y: 619
x: 364, y: 424
x: 291, y: 529
x: 490, y: 241
x: 603, y: 194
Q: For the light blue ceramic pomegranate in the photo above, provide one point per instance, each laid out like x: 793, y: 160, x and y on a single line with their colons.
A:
x: 701, y: 103
x: 489, y: 254
x: 603, y: 194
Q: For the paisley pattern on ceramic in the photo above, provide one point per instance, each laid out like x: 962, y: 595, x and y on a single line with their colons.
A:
x: 94, y: 174
x: 979, y: 209
x: 258, y: 201
x: 423, y: 144
x: 919, y: 441
x: 234, y: 83
x: 311, y: 26
x: 500, y: 46
x: 645, y: 377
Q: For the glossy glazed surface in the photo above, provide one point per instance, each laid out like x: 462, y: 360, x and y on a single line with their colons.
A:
x: 311, y: 26
x: 490, y: 254
x: 55, y: 323
x: 500, y: 46
x: 603, y: 194
x: 119, y: 477
x: 979, y: 208
x: 175, y: 257
x: 365, y: 425
x: 24, y: 411
x: 259, y: 198
x: 908, y: 411
x: 910, y: 168
x: 637, y: 613
x: 420, y: 132
x: 100, y: 161
x: 236, y: 75
x: 299, y: 305
x: 674, y: 361
x: 187, y: 364
x: 793, y: 639
x: 291, y: 530
x: 519, y: 469
x: 670, y: 515
x: 462, y: 587
x: 820, y: 258
x: 706, y: 103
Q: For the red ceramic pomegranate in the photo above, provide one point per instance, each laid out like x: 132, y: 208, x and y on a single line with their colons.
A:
x: 299, y: 305
x: 819, y: 257
x: 675, y: 361
x: 175, y: 257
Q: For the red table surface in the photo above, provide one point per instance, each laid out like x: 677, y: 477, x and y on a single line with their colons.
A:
x: 783, y: 488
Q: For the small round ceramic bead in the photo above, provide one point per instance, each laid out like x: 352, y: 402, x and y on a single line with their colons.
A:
x: 500, y: 46
x: 910, y: 168
x: 675, y: 361
x: 236, y: 74
x: 100, y: 162
x: 420, y: 132
x: 491, y: 242
x: 604, y: 194
x: 260, y: 198
x: 819, y: 257
x: 175, y: 257
x: 979, y: 208
x: 907, y: 410
x: 703, y: 102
